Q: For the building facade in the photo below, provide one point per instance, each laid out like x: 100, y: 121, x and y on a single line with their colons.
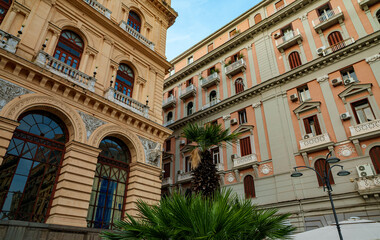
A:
x: 80, y: 130
x: 297, y: 79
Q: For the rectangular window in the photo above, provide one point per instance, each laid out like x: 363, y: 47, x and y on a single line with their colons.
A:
x: 245, y: 146
x: 287, y: 32
x: 190, y: 60
x: 324, y: 10
x: 187, y: 164
x: 349, y: 73
x: 167, y: 170
x: 171, y: 93
x: 172, y: 71
x: 312, y: 125
x: 210, y: 47
x: 303, y: 93
x: 363, y: 111
x: 234, y: 57
x: 232, y: 33
x: 189, y: 82
x: 168, y: 145
x: 279, y: 4
x: 215, y: 155
x: 242, y: 116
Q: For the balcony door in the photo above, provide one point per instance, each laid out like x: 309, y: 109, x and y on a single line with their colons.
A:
x: 134, y: 21
x: 125, y: 80
x: 4, y: 7
x: 69, y: 48
x: 336, y: 41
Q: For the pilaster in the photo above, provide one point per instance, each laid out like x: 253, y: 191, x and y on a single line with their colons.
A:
x: 7, y: 128
x: 374, y: 63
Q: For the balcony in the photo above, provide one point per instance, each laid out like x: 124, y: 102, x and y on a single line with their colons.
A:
x: 184, y: 177
x: 236, y: 67
x: 99, y: 7
x: 136, y: 35
x: 328, y: 19
x: 168, y: 123
x: 315, y: 142
x: 167, y: 181
x: 365, y: 4
x: 8, y: 41
x: 127, y: 102
x: 245, y: 161
x: 290, y: 39
x: 169, y: 102
x: 338, y: 46
x: 367, y: 128
x: 367, y: 186
x: 211, y: 80
x: 210, y: 104
x: 63, y: 70
x: 190, y: 91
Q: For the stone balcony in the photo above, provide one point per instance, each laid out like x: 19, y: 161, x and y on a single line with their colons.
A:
x: 367, y: 186
x: 136, y: 35
x: 315, y: 142
x: 8, y: 41
x: 285, y: 42
x: 168, y: 123
x: 245, y: 161
x: 63, y: 70
x: 169, y: 102
x: 127, y: 102
x: 220, y: 167
x: 328, y: 19
x: 99, y: 7
x: 365, y: 129
x: 211, y: 80
x: 365, y: 4
x: 210, y: 104
x: 167, y: 181
x: 338, y: 46
x: 190, y: 91
x: 184, y: 177
x: 236, y: 67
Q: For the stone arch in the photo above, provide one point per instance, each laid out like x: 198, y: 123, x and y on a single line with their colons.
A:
x: 249, y: 174
x: 316, y: 159
x: 122, y: 59
x: 72, y: 119
x: 334, y: 30
x: 66, y: 24
x: 129, y: 138
x: 369, y: 147
x: 133, y: 7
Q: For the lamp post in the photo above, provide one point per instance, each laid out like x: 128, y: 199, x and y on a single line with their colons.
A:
x: 326, y: 181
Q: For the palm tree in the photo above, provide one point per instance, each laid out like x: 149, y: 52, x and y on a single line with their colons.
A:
x: 221, y: 217
x: 205, y: 178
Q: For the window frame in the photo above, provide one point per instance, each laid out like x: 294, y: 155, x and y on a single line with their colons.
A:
x: 294, y: 59
x: 215, y: 153
x: 347, y: 71
x: 316, y: 125
x: 243, y: 145
x: 249, y: 191
x: 190, y: 60
x: 358, y: 103
x: 187, y: 164
x: 242, y: 116
x: 300, y: 93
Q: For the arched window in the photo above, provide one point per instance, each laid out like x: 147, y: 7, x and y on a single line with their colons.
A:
x: 336, y: 41
x: 134, y: 21
x: 319, y: 166
x: 125, y: 80
x: 374, y: 153
x: 109, y: 189
x: 378, y: 16
x: 213, y: 97
x: 4, y: 7
x: 294, y: 60
x: 257, y: 18
x: 69, y: 48
x: 249, y: 187
x: 190, y: 108
x: 31, y: 166
x: 169, y: 117
x: 239, y: 86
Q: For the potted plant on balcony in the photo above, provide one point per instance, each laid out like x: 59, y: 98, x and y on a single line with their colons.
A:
x: 216, y: 70
x: 227, y: 63
x: 241, y: 56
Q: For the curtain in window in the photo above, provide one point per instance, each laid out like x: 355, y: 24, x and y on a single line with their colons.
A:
x: 375, y: 157
x: 249, y: 187
x: 294, y: 60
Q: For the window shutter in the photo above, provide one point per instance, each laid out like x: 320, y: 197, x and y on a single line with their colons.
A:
x: 167, y: 170
x: 249, y: 187
x: 294, y: 60
x: 319, y: 167
x: 245, y: 146
x: 316, y: 125
x: 307, y: 125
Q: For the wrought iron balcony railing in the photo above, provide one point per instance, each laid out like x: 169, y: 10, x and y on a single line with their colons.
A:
x: 236, y: 67
x: 338, y: 46
x: 327, y: 19
x: 289, y: 40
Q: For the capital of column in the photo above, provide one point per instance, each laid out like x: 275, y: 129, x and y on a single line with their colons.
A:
x: 323, y: 78
x: 226, y: 117
x: 373, y: 59
x: 256, y: 105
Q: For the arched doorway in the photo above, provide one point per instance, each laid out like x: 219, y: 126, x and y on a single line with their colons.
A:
x: 374, y: 154
x: 110, y: 184
x: 4, y: 7
x: 320, y: 166
x: 69, y: 48
x: 125, y: 80
x: 134, y: 21
x: 294, y: 60
x: 31, y: 167
x: 249, y: 187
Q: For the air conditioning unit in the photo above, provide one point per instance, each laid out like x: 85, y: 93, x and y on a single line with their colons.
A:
x: 336, y: 81
x: 294, y: 97
x: 364, y: 170
x: 349, y: 81
x: 307, y: 136
x: 182, y: 142
x: 345, y: 116
x: 234, y: 156
x: 277, y: 35
x: 320, y: 50
x: 233, y: 121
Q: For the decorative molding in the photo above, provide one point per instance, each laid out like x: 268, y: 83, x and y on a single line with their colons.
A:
x: 91, y: 123
x: 345, y: 150
x: 153, y: 152
x: 355, y: 89
x: 306, y: 106
x: 230, y: 178
x: 323, y: 78
x: 303, y: 17
x: 141, y: 80
x: 226, y: 117
x: 373, y: 58
x: 244, y: 128
x: 265, y: 169
x: 256, y: 105
x: 9, y: 91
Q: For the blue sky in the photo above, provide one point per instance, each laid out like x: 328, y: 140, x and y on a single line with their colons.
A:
x: 197, y: 19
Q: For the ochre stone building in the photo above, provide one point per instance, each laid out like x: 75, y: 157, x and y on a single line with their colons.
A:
x: 297, y: 79
x: 80, y: 113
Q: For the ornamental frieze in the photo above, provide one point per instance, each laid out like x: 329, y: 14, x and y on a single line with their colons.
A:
x: 9, y: 91
x: 152, y: 152
x: 91, y: 123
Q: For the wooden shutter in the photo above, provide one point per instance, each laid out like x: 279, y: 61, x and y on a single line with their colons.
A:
x: 307, y: 125
x: 167, y: 170
x: 257, y: 18
x: 294, y: 60
x: 316, y: 125
x: 320, y: 167
x: 249, y: 187
x: 245, y: 146
x: 239, y: 87
x: 375, y: 157
x: 336, y: 41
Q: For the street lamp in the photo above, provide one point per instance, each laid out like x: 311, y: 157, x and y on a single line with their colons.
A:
x: 326, y: 181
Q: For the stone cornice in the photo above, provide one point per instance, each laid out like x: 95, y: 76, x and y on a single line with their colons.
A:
x: 241, y: 38
x: 359, y: 45
x: 169, y: 12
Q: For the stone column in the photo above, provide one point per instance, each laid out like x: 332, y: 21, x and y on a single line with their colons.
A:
x: 374, y: 62
x: 84, y: 62
x: 7, y: 128
x: 261, y: 131
x: 309, y: 35
x: 52, y: 43
x: 73, y: 190
x: 251, y: 65
x: 371, y: 19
